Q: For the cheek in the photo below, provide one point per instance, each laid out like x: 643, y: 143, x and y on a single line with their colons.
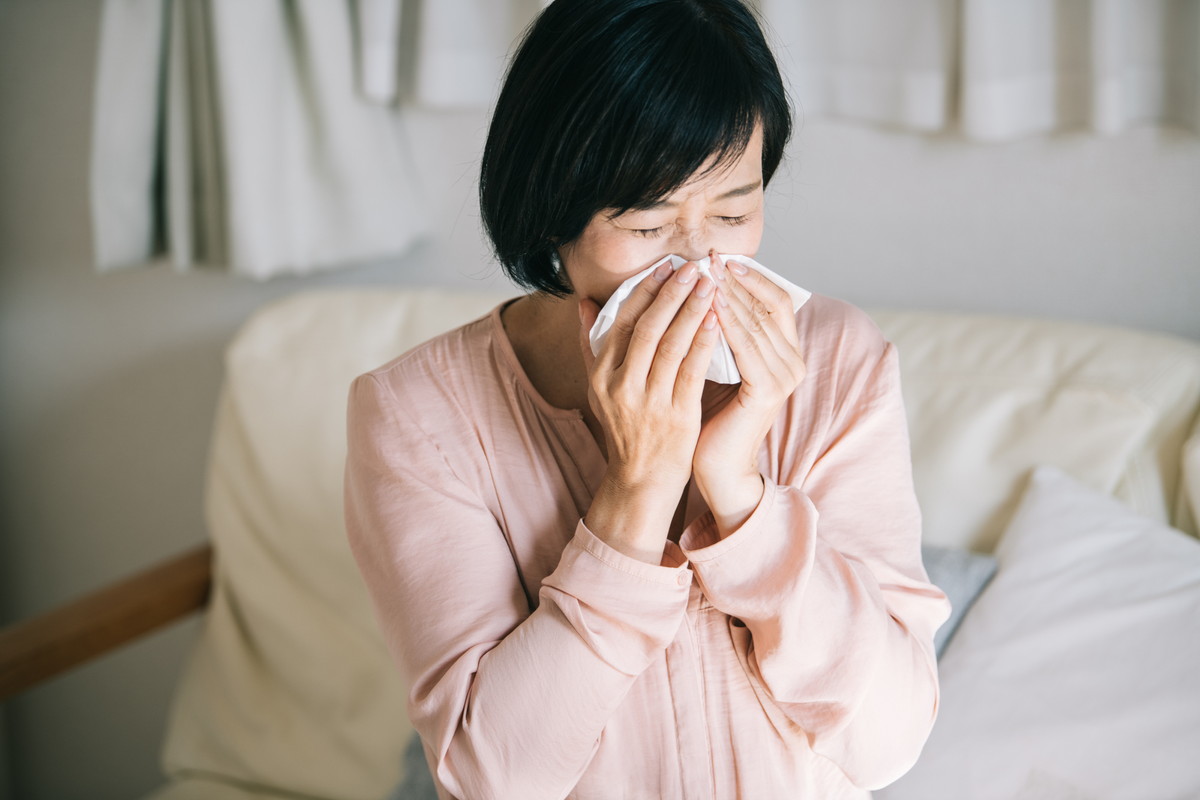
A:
x: 741, y: 239
x: 597, y: 265
x: 621, y: 255
x: 627, y: 254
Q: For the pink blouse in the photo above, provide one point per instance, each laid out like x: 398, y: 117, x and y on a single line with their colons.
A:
x: 792, y: 659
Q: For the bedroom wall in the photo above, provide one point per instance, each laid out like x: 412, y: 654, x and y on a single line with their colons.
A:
x: 108, y: 383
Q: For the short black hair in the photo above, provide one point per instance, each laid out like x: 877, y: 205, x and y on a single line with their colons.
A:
x: 616, y: 104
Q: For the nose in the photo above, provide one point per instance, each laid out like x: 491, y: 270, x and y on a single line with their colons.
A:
x: 694, y: 245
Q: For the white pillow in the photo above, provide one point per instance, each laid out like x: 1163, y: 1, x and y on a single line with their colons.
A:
x: 1077, y: 672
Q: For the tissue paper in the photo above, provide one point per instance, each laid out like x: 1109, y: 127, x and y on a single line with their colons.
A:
x: 722, y: 369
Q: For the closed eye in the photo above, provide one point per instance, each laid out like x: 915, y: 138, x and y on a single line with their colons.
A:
x: 655, y: 232
x: 649, y: 232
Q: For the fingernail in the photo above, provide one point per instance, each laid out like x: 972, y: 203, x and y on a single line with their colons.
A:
x: 718, y: 270
x: 721, y: 301
x: 704, y: 288
x: 580, y: 307
x: 739, y: 268
x: 686, y: 273
x: 710, y: 320
x: 663, y: 272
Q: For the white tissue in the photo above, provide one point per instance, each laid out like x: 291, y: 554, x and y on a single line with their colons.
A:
x: 722, y: 368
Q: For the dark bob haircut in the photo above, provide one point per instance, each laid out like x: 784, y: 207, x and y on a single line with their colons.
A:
x: 615, y: 104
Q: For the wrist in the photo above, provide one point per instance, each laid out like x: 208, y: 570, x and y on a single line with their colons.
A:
x: 657, y: 477
x: 633, y: 517
x: 732, y: 498
x: 727, y: 479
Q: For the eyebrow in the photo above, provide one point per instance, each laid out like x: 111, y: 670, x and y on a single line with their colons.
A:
x: 738, y: 192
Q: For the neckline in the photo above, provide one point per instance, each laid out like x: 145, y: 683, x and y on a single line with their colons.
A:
x: 508, y: 355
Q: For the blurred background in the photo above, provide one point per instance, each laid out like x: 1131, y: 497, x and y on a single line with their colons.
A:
x: 166, y: 168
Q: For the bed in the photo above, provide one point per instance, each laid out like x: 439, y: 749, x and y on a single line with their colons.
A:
x: 1058, y: 469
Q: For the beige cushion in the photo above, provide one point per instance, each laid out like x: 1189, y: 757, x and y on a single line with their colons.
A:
x: 217, y: 788
x: 290, y: 687
x: 990, y: 397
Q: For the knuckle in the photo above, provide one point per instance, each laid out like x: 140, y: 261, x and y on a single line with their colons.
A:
x: 618, y: 401
x: 696, y: 304
x: 671, y: 349
x: 624, y: 324
x: 642, y: 333
x: 647, y: 287
x: 672, y: 294
x: 678, y: 291
x: 622, y: 389
x: 644, y: 294
x: 777, y: 295
x: 689, y: 374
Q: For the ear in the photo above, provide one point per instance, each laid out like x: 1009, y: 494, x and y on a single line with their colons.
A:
x: 558, y: 256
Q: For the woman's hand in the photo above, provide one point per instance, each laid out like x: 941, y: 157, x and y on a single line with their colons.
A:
x: 757, y: 319
x: 645, y: 388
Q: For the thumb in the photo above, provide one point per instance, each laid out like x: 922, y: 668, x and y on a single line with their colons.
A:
x: 588, y: 311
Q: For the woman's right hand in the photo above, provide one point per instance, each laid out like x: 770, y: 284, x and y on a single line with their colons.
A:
x: 645, y: 386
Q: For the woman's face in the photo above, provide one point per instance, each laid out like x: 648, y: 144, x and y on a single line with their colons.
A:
x: 724, y: 212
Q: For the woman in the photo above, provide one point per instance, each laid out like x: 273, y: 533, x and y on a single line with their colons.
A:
x: 601, y: 577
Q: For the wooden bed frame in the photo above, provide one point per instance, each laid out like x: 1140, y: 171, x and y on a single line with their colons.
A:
x: 37, y: 649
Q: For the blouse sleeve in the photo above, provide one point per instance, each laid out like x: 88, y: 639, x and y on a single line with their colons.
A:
x: 833, y: 612
x: 511, y: 703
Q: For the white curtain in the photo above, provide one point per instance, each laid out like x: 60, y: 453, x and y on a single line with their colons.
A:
x: 234, y: 134
x: 1103, y: 65
x: 266, y: 136
x: 439, y: 53
x: 878, y: 61
x: 993, y: 69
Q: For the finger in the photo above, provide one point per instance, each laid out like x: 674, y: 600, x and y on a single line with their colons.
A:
x: 771, y: 294
x: 759, y: 339
x: 759, y: 319
x: 689, y: 381
x: 747, y: 354
x: 612, y: 351
x: 650, y: 327
x: 746, y: 329
x: 774, y: 298
x: 676, y: 342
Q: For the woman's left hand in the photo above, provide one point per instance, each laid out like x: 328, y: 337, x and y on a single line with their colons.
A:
x: 757, y: 320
